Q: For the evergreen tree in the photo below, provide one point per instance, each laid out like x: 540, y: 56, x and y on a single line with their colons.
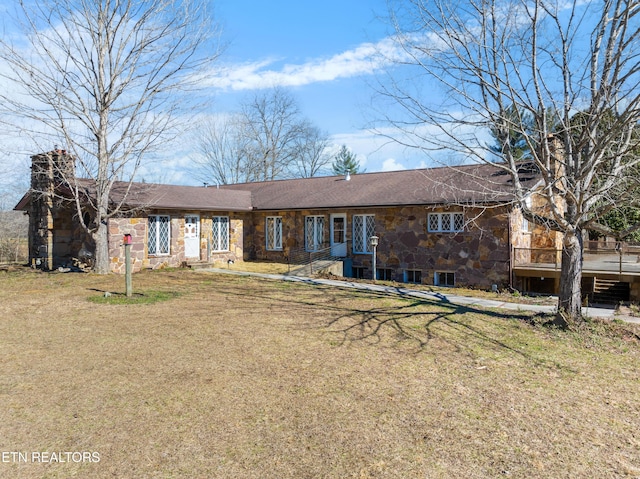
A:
x: 345, y: 162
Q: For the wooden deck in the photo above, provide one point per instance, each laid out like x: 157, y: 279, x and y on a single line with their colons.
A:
x: 533, y: 262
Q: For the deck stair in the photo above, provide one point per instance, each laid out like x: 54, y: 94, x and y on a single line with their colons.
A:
x: 609, y: 291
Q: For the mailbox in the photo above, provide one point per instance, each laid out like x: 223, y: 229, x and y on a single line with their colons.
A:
x: 127, y: 239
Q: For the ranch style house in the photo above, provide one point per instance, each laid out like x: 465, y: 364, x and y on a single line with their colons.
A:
x: 441, y: 226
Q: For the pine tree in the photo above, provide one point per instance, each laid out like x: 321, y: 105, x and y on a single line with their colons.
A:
x: 345, y: 162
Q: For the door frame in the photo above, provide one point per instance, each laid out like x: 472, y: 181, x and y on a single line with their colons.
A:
x: 197, y: 237
x: 338, y: 249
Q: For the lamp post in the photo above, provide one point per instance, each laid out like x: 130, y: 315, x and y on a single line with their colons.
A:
x: 373, y: 241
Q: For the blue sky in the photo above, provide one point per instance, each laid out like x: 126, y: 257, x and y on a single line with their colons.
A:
x: 325, y: 53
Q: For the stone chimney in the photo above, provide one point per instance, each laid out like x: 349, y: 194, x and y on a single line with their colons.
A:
x: 49, y: 171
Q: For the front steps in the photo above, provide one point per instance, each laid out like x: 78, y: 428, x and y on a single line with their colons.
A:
x: 609, y: 291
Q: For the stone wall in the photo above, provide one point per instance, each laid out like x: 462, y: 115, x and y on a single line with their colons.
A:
x: 479, y: 256
x: 71, y: 241
x: 140, y: 258
x: 137, y: 228
x: 236, y: 238
x: 48, y: 172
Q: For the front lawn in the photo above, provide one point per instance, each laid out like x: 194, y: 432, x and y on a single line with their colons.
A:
x: 239, y: 377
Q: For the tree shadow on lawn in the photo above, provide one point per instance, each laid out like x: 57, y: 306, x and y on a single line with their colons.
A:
x: 415, y: 321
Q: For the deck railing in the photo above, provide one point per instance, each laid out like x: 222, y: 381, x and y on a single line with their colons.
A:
x: 602, y: 256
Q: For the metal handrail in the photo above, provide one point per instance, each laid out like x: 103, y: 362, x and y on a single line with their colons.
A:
x: 301, y: 257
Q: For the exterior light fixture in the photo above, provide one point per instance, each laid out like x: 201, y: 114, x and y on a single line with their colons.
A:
x: 373, y: 241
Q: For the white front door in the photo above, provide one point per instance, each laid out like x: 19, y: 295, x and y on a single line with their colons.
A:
x: 339, y: 235
x: 192, y: 236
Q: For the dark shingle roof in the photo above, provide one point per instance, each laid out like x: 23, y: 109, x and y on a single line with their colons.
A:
x: 182, y: 197
x: 172, y: 197
x: 484, y: 183
x: 462, y: 184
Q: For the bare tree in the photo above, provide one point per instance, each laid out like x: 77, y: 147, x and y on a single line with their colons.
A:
x: 503, y: 66
x: 312, y: 156
x: 272, y: 122
x: 14, y: 181
x: 268, y: 139
x: 13, y: 236
x: 222, y: 148
x: 105, y: 78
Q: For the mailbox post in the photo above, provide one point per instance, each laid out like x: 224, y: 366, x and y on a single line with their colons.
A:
x: 373, y: 241
x: 127, y: 264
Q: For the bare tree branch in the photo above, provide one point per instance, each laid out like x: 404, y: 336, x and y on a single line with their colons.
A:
x: 107, y: 79
x: 569, y: 70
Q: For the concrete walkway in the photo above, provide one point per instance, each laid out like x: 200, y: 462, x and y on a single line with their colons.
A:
x: 481, y: 303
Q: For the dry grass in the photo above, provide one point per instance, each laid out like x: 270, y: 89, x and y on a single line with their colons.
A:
x: 238, y: 377
x: 269, y: 267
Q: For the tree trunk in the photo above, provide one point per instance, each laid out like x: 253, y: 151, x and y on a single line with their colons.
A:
x: 101, y: 239
x: 569, y: 301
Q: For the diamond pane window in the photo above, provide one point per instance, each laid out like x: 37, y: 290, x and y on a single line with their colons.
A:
x: 152, y: 236
x: 159, y: 235
x: 458, y: 222
x: 364, y: 227
x: 445, y: 222
x: 220, y: 234
x: 314, y: 232
x: 274, y: 233
x: 358, y: 236
x: 434, y: 224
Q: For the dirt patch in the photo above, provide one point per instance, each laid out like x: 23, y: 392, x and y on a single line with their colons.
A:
x: 246, y: 377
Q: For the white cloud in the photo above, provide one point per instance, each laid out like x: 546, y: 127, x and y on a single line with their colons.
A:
x: 364, y: 59
x: 390, y: 164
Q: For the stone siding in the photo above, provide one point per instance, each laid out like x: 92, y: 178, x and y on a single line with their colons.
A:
x: 140, y: 258
x: 55, y: 235
x: 479, y: 255
x: 137, y: 228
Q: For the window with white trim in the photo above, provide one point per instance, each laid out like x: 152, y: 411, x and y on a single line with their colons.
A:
x: 442, y: 278
x: 220, y: 233
x: 274, y: 233
x: 445, y: 222
x: 364, y: 227
x: 313, y: 232
x: 159, y: 235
